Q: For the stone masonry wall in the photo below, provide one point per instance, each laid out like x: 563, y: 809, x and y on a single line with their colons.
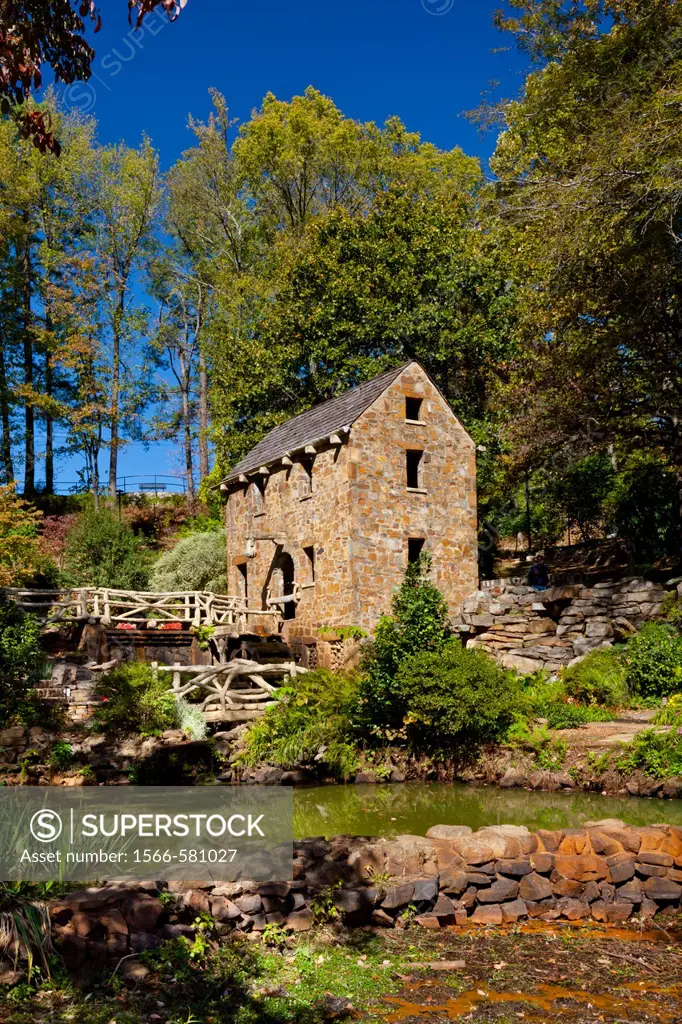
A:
x: 529, y: 630
x: 442, y: 511
x: 606, y: 871
x: 360, y: 515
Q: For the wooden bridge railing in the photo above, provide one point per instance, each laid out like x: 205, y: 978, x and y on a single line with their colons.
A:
x: 139, y: 608
x: 238, y: 691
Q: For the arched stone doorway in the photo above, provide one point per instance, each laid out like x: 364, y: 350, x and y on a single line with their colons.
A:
x: 280, y: 583
x: 286, y: 566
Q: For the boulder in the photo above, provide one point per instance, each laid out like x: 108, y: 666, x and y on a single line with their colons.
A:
x: 398, y: 896
x: 662, y: 889
x: 250, y: 903
x: 513, y: 911
x: 500, y: 891
x: 444, y: 910
x: 513, y: 778
x: 566, y: 886
x: 537, y: 909
x: 657, y: 857
x: 535, y: 888
x: 300, y: 921
x: 672, y: 788
x: 610, y: 912
x: 448, y: 831
x: 491, y: 914
x: 476, y: 853
x: 142, y: 912
x: 631, y: 892
x: 429, y: 921
x: 409, y: 855
x: 582, y: 868
x: 425, y: 890
x: 572, y: 909
x: 621, y: 868
x: 453, y: 881
x: 515, y: 868
x: 543, y: 863
x: 652, y: 871
x: 223, y: 909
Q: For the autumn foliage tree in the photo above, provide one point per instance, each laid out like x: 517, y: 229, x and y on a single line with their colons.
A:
x: 20, y: 552
x: 34, y: 33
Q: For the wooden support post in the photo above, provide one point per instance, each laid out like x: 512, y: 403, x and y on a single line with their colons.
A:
x: 106, y: 618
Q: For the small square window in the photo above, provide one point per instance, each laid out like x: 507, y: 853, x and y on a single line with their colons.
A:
x: 413, y: 409
x: 413, y: 461
x: 415, y: 546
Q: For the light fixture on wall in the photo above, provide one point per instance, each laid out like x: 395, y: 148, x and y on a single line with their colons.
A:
x: 250, y: 548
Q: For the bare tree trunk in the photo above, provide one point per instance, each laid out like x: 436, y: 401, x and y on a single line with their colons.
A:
x: 29, y: 416
x: 49, y: 429
x: 677, y: 463
x: 6, y: 464
x: 115, y: 388
x: 204, y: 468
x: 185, y: 375
x: 94, y: 475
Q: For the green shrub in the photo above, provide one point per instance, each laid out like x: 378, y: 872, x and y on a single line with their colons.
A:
x: 671, y: 714
x: 100, y: 551
x: 654, y: 753
x: 419, y: 624
x: 134, y: 700
x: 598, y: 679
x: 541, y: 693
x: 21, y: 662
x: 454, y: 697
x: 61, y: 755
x: 312, y: 725
x: 197, y: 562
x: 571, y: 716
x: 653, y: 660
x: 550, y: 752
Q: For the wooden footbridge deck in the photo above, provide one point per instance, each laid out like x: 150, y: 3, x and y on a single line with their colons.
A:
x: 138, y: 608
x: 239, y: 690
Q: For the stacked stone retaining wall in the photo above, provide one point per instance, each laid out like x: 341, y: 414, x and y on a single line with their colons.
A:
x: 606, y: 872
x: 529, y: 630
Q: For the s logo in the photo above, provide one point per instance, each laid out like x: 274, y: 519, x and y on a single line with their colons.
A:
x: 46, y: 826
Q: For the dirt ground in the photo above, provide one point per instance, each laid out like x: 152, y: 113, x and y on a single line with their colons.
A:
x: 538, y: 975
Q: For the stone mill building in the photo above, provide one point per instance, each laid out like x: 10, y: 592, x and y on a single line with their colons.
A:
x: 325, y: 513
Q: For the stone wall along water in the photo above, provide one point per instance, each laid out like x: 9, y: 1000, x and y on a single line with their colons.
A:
x: 530, y: 630
x: 606, y: 872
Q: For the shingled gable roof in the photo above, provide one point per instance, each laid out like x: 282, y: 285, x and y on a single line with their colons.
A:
x: 317, y: 423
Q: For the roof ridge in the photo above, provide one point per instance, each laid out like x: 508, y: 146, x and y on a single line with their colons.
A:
x: 323, y: 418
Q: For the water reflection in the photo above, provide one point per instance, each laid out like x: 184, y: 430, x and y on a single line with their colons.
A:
x: 414, y: 807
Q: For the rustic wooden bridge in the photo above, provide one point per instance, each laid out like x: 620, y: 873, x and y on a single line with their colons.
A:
x: 238, y: 691
x: 137, y: 608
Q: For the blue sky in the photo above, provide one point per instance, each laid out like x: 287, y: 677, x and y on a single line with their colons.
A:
x: 425, y: 60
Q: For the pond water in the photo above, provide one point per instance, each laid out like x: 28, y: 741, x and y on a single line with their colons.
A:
x: 412, y: 808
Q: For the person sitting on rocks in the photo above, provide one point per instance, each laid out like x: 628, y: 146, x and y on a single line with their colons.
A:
x: 538, y: 576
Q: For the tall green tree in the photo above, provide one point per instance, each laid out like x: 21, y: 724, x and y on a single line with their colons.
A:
x: 127, y: 197
x: 589, y: 196
x: 330, y: 246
